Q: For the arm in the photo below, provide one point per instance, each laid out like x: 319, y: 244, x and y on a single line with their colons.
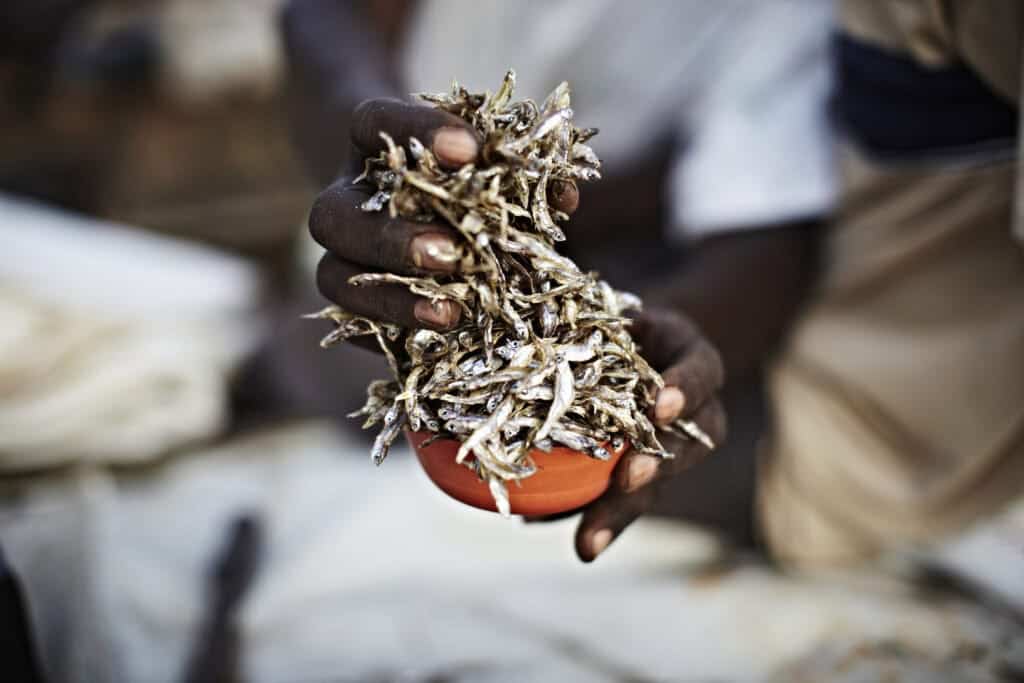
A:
x: 756, y: 175
x: 743, y: 289
x: 339, y: 54
x: 356, y: 241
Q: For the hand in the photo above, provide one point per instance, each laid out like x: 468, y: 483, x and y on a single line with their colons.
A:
x: 357, y: 241
x: 693, y: 374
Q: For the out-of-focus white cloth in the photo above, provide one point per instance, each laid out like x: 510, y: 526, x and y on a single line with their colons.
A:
x: 741, y: 85
x: 373, y: 574
x: 115, y: 346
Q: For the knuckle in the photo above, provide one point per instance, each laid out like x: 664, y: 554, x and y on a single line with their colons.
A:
x: 364, y: 120
x: 324, y: 278
x: 332, y: 221
x: 326, y: 212
x: 319, y: 217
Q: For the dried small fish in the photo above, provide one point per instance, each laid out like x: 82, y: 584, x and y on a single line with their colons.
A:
x: 377, y: 202
x: 500, y: 494
x: 394, y: 420
x: 565, y: 392
x: 548, y: 318
x: 543, y: 355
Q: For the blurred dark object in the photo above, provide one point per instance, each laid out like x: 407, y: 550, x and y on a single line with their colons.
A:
x: 166, y: 115
x: 17, y: 651
x: 127, y: 57
x: 883, y: 94
x: 933, y: 579
x: 58, y: 127
x: 29, y: 29
x: 30, y: 35
x: 849, y: 661
x: 216, y: 655
x: 290, y: 376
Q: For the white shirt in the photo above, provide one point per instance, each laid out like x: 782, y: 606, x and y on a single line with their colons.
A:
x: 743, y: 83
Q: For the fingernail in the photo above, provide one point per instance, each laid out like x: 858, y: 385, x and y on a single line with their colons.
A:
x: 565, y: 196
x: 599, y: 541
x: 442, y: 313
x: 434, y: 252
x: 641, y: 471
x: 668, y: 405
x: 454, y: 146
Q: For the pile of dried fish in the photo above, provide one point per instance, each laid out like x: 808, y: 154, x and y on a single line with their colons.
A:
x: 542, y: 355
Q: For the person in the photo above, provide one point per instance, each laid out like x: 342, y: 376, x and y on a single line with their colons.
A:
x: 715, y: 183
x: 898, y: 399
x: 357, y: 240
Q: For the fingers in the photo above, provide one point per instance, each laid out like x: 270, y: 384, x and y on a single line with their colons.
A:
x: 338, y: 223
x: 713, y: 421
x: 358, y: 241
x: 698, y: 375
x: 607, y: 517
x: 376, y: 240
x: 663, y: 336
x: 387, y: 302
x: 450, y: 138
x: 689, y: 364
x: 637, y: 470
x: 636, y: 480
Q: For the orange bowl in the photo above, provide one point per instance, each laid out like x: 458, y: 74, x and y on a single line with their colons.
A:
x: 565, y: 479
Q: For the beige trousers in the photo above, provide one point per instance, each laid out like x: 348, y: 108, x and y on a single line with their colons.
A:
x: 899, y: 399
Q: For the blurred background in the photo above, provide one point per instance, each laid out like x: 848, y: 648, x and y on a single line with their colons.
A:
x: 167, y: 116
x: 180, y: 496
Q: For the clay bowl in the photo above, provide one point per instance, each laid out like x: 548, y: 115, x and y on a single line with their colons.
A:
x: 565, y: 479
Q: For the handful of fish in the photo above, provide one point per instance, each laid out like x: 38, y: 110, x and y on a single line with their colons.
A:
x: 542, y: 355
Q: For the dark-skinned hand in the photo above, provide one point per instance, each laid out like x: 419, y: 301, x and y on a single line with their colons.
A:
x: 693, y: 374
x: 357, y: 242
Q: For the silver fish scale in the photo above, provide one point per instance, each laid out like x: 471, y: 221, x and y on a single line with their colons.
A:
x: 543, y: 355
